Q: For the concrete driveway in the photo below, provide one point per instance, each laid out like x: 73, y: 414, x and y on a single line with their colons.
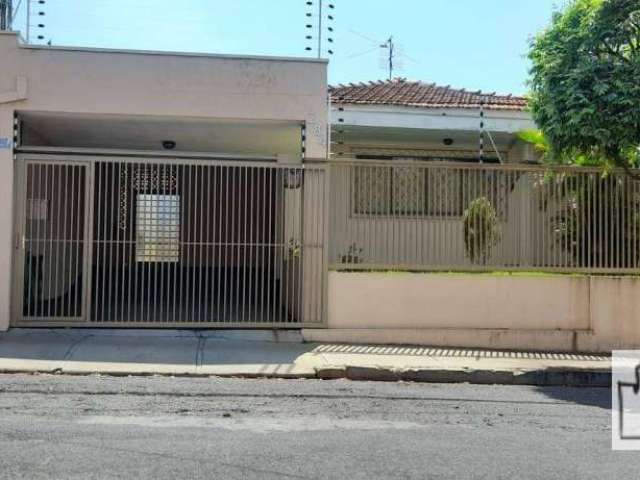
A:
x: 177, y: 352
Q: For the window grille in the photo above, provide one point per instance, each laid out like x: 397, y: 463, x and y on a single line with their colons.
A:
x: 157, y: 228
x: 407, y: 190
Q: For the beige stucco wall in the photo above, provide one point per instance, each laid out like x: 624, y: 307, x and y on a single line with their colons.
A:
x: 521, y: 152
x: 592, y: 314
x: 614, y: 315
x: 184, y: 85
x: 89, y: 81
x: 417, y: 300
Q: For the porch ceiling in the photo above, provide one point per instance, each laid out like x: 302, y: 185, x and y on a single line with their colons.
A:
x: 414, y: 137
x: 44, y: 129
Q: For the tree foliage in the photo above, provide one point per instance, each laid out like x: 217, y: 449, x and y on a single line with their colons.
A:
x: 585, y: 88
x: 593, y: 220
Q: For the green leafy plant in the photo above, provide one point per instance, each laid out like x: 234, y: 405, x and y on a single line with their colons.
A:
x: 585, y: 94
x: 537, y: 139
x: 353, y: 255
x: 481, y: 230
x: 592, y: 219
x: 548, y: 155
x: 294, y: 248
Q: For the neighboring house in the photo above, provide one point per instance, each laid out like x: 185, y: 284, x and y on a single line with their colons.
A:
x: 412, y: 164
x: 401, y: 119
x: 427, y: 131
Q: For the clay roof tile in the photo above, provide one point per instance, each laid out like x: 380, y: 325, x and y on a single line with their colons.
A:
x: 402, y: 92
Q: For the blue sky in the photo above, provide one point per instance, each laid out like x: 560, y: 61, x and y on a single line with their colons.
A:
x: 476, y: 44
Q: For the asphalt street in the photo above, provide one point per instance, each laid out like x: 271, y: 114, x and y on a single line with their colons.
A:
x: 168, y: 428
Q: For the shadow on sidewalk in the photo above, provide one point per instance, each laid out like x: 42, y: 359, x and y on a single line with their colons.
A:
x: 589, y: 396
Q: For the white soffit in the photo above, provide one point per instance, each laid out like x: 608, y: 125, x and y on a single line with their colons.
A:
x: 431, y: 119
x: 45, y: 129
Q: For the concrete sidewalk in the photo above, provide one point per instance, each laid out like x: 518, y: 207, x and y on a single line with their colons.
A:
x: 282, y: 354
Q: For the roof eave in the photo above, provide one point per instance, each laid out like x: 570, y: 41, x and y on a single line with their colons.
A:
x: 444, y: 106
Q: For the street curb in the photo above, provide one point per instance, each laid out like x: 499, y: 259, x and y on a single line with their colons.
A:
x: 551, y: 376
x: 150, y: 373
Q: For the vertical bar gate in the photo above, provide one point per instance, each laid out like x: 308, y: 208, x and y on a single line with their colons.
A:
x: 176, y: 243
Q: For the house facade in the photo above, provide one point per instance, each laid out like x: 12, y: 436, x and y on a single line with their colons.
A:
x: 159, y: 189
x: 173, y: 190
x: 411, y: 120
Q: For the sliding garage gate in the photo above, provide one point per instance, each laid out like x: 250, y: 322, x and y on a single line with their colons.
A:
x: 164, y: 242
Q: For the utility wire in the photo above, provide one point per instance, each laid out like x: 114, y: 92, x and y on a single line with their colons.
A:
x: 363, y: 53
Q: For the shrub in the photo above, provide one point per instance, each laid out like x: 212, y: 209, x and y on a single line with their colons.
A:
x: 481, y: 230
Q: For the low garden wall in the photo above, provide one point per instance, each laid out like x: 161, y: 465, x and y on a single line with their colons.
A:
x: 509, y: 311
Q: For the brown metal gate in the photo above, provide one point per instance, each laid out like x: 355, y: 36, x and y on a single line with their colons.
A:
x: 135, y: 242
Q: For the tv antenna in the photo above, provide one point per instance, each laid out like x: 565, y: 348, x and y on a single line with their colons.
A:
x: 392, y: 54
x: 390, y: 46
x: 320, y: 17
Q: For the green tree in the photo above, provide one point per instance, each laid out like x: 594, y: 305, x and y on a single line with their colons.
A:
x: 585, y: 88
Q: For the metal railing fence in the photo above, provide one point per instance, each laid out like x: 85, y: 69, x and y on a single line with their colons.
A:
x: 464, y: 217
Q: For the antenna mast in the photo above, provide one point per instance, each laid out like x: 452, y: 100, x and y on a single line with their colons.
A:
x: 391, y: 46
